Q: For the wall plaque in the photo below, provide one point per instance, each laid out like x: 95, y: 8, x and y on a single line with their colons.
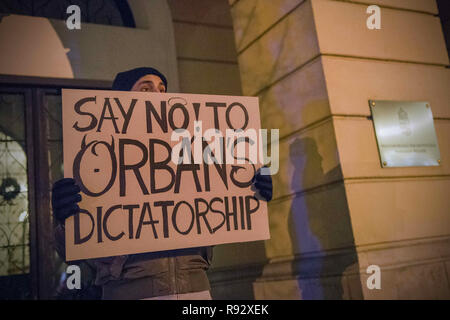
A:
x: 405, y: 133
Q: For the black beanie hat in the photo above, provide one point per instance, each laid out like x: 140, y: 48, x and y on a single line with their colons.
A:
x: 124, y: 81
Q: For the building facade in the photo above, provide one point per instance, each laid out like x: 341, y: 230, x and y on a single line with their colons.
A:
x: 314, y: 64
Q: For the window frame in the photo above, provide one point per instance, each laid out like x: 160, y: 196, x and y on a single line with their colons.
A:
x: 42, y: 253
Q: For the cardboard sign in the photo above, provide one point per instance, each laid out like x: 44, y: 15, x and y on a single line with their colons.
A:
x: 161, y: 171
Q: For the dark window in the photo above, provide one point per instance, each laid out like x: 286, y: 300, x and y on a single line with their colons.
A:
x: 106, y: 12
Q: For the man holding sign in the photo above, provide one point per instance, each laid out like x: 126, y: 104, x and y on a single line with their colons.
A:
x: 146, y: 229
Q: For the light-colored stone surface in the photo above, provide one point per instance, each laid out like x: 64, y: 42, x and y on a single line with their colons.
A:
x: 226, y: 255
x: 252, y: 17
x: 307, y: 160
x: 428, y: 6
x: 324, y: 288
x: 204, y: 42
x: 311, y: 222
x: 447, y: 270
x: 209, y: 78
x: 298, y: 100
x: 241, y: 289
x: 373, y: 206
x: 319, y: 275
x: 422, y: 275
x: 410, y: 269
x: 352, y: 82
x: 334, y: 288
x: 355, y: 291
x: 204, y: 39
x: 215, y: 12
x: 424, y: 281
x: 393, y: 210
x: 284, y: 48
x: 391, y: 255
x: 278, y: 290
x: 446, y: 29
x: 359, y: 156
x: 404, y: 35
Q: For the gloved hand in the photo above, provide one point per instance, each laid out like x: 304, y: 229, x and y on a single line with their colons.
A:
x: 65, y: 195
x: 263, y: 184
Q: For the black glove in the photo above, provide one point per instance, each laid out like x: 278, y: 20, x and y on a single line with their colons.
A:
x: 65, y: 195
x: 263, y: 183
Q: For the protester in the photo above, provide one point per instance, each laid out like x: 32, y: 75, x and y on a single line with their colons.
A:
x: 174, y: 274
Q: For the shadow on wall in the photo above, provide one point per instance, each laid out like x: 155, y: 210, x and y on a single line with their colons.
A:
x: 319, y: 221
x: 235, y: 268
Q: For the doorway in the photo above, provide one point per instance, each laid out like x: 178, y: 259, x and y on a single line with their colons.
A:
x: 31, y: 160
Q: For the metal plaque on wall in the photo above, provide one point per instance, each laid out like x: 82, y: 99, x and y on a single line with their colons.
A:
x: 405, y: 133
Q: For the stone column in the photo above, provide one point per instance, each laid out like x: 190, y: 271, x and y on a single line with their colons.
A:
x: 314, y: 65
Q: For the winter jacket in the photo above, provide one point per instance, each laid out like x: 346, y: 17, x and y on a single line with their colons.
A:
x: 147, y: 275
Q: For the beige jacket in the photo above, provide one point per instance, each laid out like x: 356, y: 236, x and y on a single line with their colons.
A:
x: 147, y: 275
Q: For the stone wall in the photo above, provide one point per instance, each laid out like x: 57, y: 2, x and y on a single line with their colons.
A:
x: 204, y: 41
x: 314, y: 65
